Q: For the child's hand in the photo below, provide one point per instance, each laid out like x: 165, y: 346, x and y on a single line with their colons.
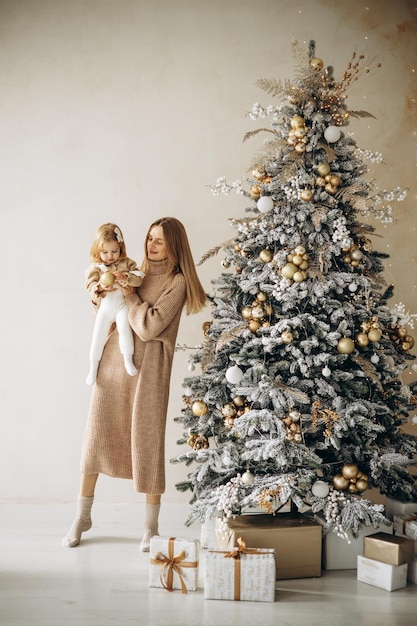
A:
x: 121, y: 278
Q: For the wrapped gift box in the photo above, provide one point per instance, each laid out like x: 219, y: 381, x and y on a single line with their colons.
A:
x: 240, y: 575
x: 173, y: 563
x: 406, y: 525
x: 296, y: 539
x: 390, y: 549
x: 382, y: 575
x: 339, y: 553
x: 392, y: 507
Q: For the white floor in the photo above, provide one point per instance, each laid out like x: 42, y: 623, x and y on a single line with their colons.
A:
x: 105, y: 580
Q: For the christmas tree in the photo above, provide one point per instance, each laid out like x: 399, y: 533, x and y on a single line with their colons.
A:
x: 298, y: 398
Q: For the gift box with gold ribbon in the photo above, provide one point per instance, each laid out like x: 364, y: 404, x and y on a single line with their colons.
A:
x: 173, y: 563
x: 240, y: 574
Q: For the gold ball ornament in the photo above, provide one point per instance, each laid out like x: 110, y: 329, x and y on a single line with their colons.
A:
x: 297, y: 122
x: 229, y: 410
x: 340, y: 482
x: 316, y: 64
x: 255, y: 192
x: 350, y: 471
x: 265, y: 256
x: 261, y: 296
x: 299, y: 276
x: 335, y: 181
x: 206, y: 326
x: 288, y: 270
x: 361, y: 484
x: 300, y: 148
x: 199, y: 408
x: 306, y: 195
x: 345, y: 345
x: 323, y: 168
x: 247, y: 313
x: 239, y: 401
x: 362, y: 340
x: 356, y: 254
x: 374, y: 335
x: 107, y: 279
x: 258, y: 312
x: 287, y: 337
x: 254, y: 325
x: 401, y: 332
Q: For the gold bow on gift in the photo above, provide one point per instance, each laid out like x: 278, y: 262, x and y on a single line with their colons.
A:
x: 171, y: 564
x: 235, y: 554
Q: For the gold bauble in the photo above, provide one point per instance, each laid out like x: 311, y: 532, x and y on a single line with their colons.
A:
x: 323, y: 168
x: 287, y: 420
x: 316, y: 64
x: 206, y: 326
x: 335, y: 181
x: 299, y: 276
x: 401, y: 332
x: 299, y: 250
x: 258, y: 312
x: 289, y: 270
x: 405, y: 346
x: 409, y: 339
x: 239, y: 401
x: 340, y: 482
x: 352, y: 488
x: 258, y: 174
x: 306, y: 195
x: 347, y: 259
x: 266, y: 256
x: 331, y: 189
x: 199, y: 408
x: 345, y: 345
x: 350, y: 470
x: 320, y: 181
x: 300, y: 132
x: 247, y: 313
x: 254, y: 325
x: 303, y: 265
x: 107, y: 279
x: 287, y: 337
x: 361, y: 484
x: 356, y: 254
x: 297, y: 259
x: 255, y: 192
x: 362, y: 340
x: 300, y: 148
x: 297, y: 437
x: 229, y: 410
x: 374, y: 335
x: 261, y: 296
x: 354, y: 263
x: 297, y: 121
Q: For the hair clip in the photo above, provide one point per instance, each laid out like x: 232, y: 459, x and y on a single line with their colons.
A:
x: 118, y: 234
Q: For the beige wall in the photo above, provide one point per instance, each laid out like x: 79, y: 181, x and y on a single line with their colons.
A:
x: 126, y: 110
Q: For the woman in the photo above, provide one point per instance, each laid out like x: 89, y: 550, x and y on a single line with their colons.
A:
x: 125, y: 433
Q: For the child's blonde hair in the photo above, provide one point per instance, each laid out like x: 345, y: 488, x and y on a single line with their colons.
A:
x: 105, y: 233
x: 181, y: 260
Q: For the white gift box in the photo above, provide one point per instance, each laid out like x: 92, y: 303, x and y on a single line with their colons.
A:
x: 339, y: 553
x: 382, y: 575
x: 173, y: 563
x: 394, y: 507
x: 235, y: 575
x: 406, y: 525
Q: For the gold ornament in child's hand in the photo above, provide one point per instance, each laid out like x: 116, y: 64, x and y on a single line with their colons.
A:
x: 107, y: 279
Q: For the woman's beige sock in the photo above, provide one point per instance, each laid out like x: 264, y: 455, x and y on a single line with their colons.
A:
x: 81, y: 523
x: 151, y: 526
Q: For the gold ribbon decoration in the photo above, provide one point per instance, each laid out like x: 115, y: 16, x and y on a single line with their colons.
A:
x: 171, y: 564
x: 235, y: 554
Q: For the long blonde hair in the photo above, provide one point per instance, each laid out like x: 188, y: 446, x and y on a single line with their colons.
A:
x: 180, y: 260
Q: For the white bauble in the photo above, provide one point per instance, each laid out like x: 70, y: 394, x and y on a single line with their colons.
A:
x: 248, y: 478
x: 414, y: 420
x: 332, y: 134
x: 320, y: 489
x: 265, y: 204
x: 234, y: 375
x: 191, y: 367
x: 326, y: 371
x: 374, y: 359
x: 353, y: 287
x: 188, y: 391
x: 414, y: 367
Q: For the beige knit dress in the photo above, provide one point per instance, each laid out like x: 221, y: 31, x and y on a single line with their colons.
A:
x: 125, y: 432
